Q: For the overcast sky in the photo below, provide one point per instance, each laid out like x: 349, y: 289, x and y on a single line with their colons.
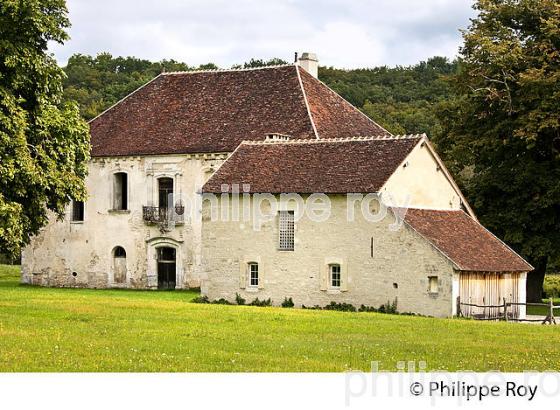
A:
x: 343, y: 33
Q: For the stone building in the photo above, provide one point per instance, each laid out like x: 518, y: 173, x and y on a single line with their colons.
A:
x: 389, y: 224
x: 147, y: 223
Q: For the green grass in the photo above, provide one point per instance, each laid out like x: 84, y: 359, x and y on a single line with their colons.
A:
x: 543, y: 310
x: 44, y: 329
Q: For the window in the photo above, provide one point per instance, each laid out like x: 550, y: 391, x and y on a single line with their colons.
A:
x: 286, y: 229
x: 165, y: 188
x: 120, y: 191
x: 119, y: 264
x: 254, y: 274
x: 433, y: 284
x: 335, y: 278
x: 120, y: 252
x: 77, y: 211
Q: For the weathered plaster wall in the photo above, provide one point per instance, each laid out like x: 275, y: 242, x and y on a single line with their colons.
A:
x: 85, y: 248
x: 420, y: 183
x: 400, y: 257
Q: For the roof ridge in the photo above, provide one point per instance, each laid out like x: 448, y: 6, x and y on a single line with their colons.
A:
x: 225, y: 70
x: 304, y: 93
x: 322, y: 83
x: 341, y: 139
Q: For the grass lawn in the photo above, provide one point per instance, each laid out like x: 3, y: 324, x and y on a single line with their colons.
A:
x: 45, y: 329
x: 543, y: 310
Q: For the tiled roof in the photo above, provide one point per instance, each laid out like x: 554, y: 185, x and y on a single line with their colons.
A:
x: 469, y: 245
x: 213, y: 111
x: 314, y: 166
x: 333, y: 116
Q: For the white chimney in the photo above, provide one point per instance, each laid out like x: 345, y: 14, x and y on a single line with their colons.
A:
x: 310, y: 63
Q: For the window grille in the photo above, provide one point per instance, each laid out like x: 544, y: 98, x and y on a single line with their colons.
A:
x: 286, y: 229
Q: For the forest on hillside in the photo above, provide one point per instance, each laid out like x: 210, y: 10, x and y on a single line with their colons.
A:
x: 401, y: 99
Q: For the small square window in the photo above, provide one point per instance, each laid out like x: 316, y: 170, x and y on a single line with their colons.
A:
x: 433, y: 286
x: 335, y: 276
x: 254, y: 274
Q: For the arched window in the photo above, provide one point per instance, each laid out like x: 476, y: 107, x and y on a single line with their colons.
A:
x: 119, y: 252
x: 120, y: 191
x: 119, y: 264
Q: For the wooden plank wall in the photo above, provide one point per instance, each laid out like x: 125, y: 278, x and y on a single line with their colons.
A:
x: 488, y: 288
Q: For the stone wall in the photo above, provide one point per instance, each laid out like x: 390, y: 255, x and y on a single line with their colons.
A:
x: 399, y: 266
x: 79, y: 254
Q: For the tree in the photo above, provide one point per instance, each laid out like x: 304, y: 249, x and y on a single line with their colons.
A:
x: 503, y: 129
x: 44, y: 144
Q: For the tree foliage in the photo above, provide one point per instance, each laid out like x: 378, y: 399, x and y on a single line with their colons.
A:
x: 402, y: 99
x: 98, y: 82
x: 503, y: 128
x: 44, y: 144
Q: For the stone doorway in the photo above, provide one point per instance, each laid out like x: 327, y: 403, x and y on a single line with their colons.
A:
x: 167, y: 268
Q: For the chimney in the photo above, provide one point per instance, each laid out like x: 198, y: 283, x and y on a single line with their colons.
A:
x: 309, y: 62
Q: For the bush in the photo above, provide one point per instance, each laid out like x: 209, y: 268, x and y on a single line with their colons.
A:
x: 389, y: 307
x: 342, y: 307
x: 288, y: 303
x: 239, y: 300
x: 551, y: 286
x: 316, y: 307
x: 221, y: 301
x: 364, y: 308
x: 204, y: 299
x: 261, y: 303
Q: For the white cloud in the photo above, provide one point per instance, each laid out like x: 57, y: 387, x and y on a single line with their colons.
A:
x: 344, y: 33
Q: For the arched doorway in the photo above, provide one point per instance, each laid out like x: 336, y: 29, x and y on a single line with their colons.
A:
x: 119, y: 264
x: 166, y: 267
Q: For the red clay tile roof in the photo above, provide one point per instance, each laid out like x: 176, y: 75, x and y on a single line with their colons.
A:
x: 214, y: 111
x: 333, y: 116
x: 469, y: 245
x: 323, y: 166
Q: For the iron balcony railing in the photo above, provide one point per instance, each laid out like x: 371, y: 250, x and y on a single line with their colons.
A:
x: 155, y: 214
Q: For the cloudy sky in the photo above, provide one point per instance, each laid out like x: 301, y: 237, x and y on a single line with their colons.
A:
x: 343, y: 33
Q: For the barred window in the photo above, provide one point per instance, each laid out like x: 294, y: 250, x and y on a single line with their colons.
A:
x: 286, y: 229
x: 77, y: 211
x: 253, y: 274
x: 335, y: 275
